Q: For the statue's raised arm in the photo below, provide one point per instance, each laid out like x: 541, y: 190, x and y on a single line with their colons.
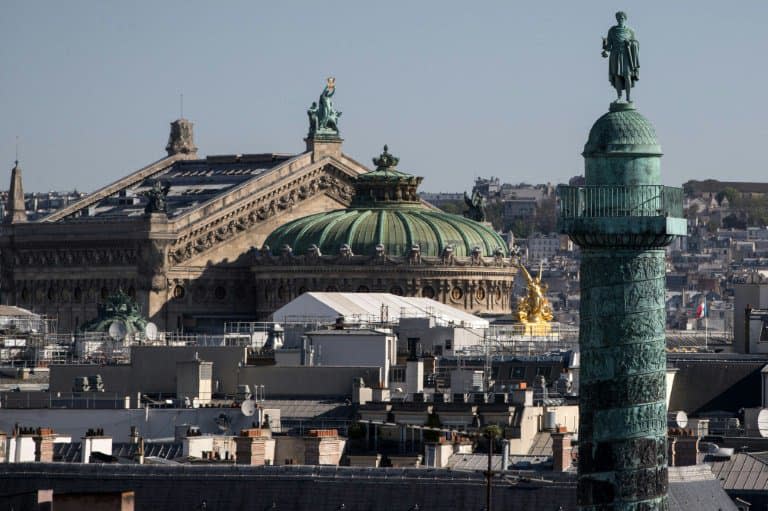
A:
x: 623, y: 50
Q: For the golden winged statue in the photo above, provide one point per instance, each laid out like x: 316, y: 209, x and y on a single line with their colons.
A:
x: 534, y: 306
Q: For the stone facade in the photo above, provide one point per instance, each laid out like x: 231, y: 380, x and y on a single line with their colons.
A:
x: 480, y: 285
x: 191, y: 267
x: 179, y: 267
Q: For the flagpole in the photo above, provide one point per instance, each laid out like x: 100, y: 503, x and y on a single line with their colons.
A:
x: 706, y: 325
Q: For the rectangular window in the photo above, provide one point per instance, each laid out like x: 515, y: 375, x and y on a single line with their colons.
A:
x: 448, y: 344
x: 517, y: 373
x: 397, y: 374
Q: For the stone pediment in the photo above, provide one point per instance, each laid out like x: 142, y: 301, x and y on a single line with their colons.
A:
x: 260, y: 205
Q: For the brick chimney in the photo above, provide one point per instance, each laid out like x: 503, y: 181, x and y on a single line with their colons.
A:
x: 44, y: 438
x: 251, y: 446
x: 683, y: 449
x: 561, y: 450
x: 323, y: 447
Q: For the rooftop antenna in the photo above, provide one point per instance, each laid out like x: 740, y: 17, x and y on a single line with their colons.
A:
x: 181, y: 105
x: 17, y: 149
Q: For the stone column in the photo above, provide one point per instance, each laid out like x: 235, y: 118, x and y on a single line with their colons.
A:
x: 622, y: 220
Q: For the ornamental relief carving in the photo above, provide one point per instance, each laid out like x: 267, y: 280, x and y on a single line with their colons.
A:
x: 75, y: 257
x: 414, y: 257
x: 600, y: 270
x: 626, y: 359
x: 640, y: 420
x: 646, y: 327
x: 627, y: 391
x: 218, y: 231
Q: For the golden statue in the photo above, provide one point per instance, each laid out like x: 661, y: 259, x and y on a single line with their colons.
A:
x: 534, y: 308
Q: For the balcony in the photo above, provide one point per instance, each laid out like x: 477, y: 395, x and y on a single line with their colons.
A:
x: 631, y: 216
x: 620, y: 201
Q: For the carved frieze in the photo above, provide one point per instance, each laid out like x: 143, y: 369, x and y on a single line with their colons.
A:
x: 636, y: 421
x: 205, y: 237
x: 626, y: 359
x: 601, y: 331
x: 624, y: 391
x: 121, y: 256
x: 633, y: 453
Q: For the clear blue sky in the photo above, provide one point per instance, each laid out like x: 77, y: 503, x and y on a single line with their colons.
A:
x: 457, y: 89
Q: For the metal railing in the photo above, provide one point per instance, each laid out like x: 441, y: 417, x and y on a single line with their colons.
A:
x: 619, y: 201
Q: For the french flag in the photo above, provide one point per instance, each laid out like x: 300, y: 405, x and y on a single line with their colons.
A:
x: 701, y: 310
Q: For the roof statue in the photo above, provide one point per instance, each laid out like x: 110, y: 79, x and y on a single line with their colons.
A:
x: 534, y: 308
x: 323, y: 117
x: 157, y: 198
x: 120, y: 307
x: 476, y: 205
x: 623, y: 52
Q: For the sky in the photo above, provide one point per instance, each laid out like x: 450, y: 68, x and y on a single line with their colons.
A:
x: 456, y: 89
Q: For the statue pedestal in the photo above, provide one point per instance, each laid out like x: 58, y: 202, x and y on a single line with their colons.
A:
x: 537, y: 329
x: 324, y: 145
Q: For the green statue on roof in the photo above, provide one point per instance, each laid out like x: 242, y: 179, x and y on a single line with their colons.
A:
x: 624, y: 51
x: 323, y: 117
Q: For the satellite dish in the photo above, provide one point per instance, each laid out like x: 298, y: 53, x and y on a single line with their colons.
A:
x: 150, y: 331
x: 762, y: 422
x: 677, y: 419
x: 248, y: 408
x: 117, y: 330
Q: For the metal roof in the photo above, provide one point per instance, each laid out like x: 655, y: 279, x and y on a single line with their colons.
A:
x: 191, y: 184
x: 743, y: 471
x: 371, y: 307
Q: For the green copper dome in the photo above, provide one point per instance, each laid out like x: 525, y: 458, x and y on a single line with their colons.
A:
x: 622, y: 130
x: 386, y: 211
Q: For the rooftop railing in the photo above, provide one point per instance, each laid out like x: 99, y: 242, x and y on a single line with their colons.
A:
x: 620, y: 201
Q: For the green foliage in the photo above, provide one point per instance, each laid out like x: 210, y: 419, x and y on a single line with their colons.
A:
x: 728, y: 192
x: 492, y: 431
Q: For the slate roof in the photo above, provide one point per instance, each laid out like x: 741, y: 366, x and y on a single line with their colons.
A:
x: 693, y: 488
x: 70, y: 452
x: 192, y: 183
x: 743, y: 471
x: 308, y: 409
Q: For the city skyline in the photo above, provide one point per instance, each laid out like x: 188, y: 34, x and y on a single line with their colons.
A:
x: 500, y: 90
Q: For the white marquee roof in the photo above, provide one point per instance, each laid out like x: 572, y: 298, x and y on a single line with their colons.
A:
x: 371, y: 307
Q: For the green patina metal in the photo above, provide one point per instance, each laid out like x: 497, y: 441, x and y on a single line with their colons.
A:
x: 323, y: 116
x: 622, y: 219
x: 117, y: 307
x: 386, y: 212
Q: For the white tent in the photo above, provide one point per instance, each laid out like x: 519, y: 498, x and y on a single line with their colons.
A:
x: 371, y: 307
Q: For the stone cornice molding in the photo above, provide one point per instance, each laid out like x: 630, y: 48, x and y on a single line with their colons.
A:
x: 312, y: 262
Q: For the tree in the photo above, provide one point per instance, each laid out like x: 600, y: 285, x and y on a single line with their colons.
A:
x: 729, y: 193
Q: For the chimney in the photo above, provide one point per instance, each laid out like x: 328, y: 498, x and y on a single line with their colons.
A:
x: 181, y: 140
x: 683, y: 449
x: 44, y: 438
x: 16, y: 211
x: 561, y: 450
x: 94, y: 441
x: 251, y: 446
x: 322, y: 447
